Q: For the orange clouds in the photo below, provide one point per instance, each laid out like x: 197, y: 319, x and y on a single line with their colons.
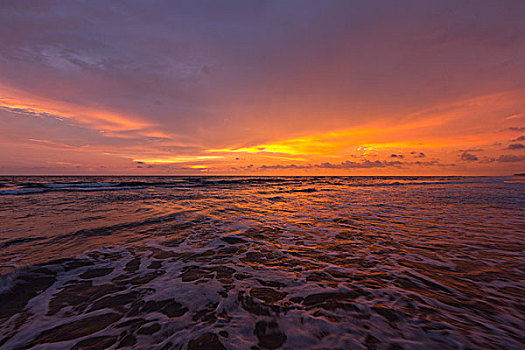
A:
x: 441, y: 131
x: 245, y: 90
x: 176, y: 159
x: 432, y: 128
x: 98, y: 119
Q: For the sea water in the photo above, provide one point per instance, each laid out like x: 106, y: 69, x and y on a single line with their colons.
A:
x: 262, y: 262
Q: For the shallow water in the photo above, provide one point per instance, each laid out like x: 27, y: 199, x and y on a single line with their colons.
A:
x: 240, y: 263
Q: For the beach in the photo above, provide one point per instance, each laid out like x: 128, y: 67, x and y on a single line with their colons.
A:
x: 262, y: 262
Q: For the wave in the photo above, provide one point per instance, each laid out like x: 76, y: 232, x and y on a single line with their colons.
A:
x: 82, y: 184
x: 20, y: 191
x: 33, y: 188
x: 20, y: 241
x: 37, y: 187
x: 424, y: 183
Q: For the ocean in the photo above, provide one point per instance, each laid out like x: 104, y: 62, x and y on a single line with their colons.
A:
x: 262, y: 262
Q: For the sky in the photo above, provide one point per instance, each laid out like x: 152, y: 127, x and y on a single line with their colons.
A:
x: 262, y: 87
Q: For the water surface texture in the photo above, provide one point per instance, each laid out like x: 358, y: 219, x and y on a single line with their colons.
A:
x: 262, y: 263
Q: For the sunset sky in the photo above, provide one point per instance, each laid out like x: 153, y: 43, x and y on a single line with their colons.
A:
x: 262, y: 87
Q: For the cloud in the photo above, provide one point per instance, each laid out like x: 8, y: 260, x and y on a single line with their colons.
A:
x: 29, y: 112
x: 472, y: 150
x: 515, y: 146
x: 469, y: 157
x: 521, y: 138
x: 508, y: 158
x: 418, y: 154
x: 364, y: 164
x: 193, y: 61
x: 517, y: 128
x: 393, y: 155
x: 359, y: 165
x: 287, y: 166
x: 167, y: 82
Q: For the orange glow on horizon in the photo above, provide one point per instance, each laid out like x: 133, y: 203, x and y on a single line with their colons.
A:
x: 432, y: 130
x: 178, y: 159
